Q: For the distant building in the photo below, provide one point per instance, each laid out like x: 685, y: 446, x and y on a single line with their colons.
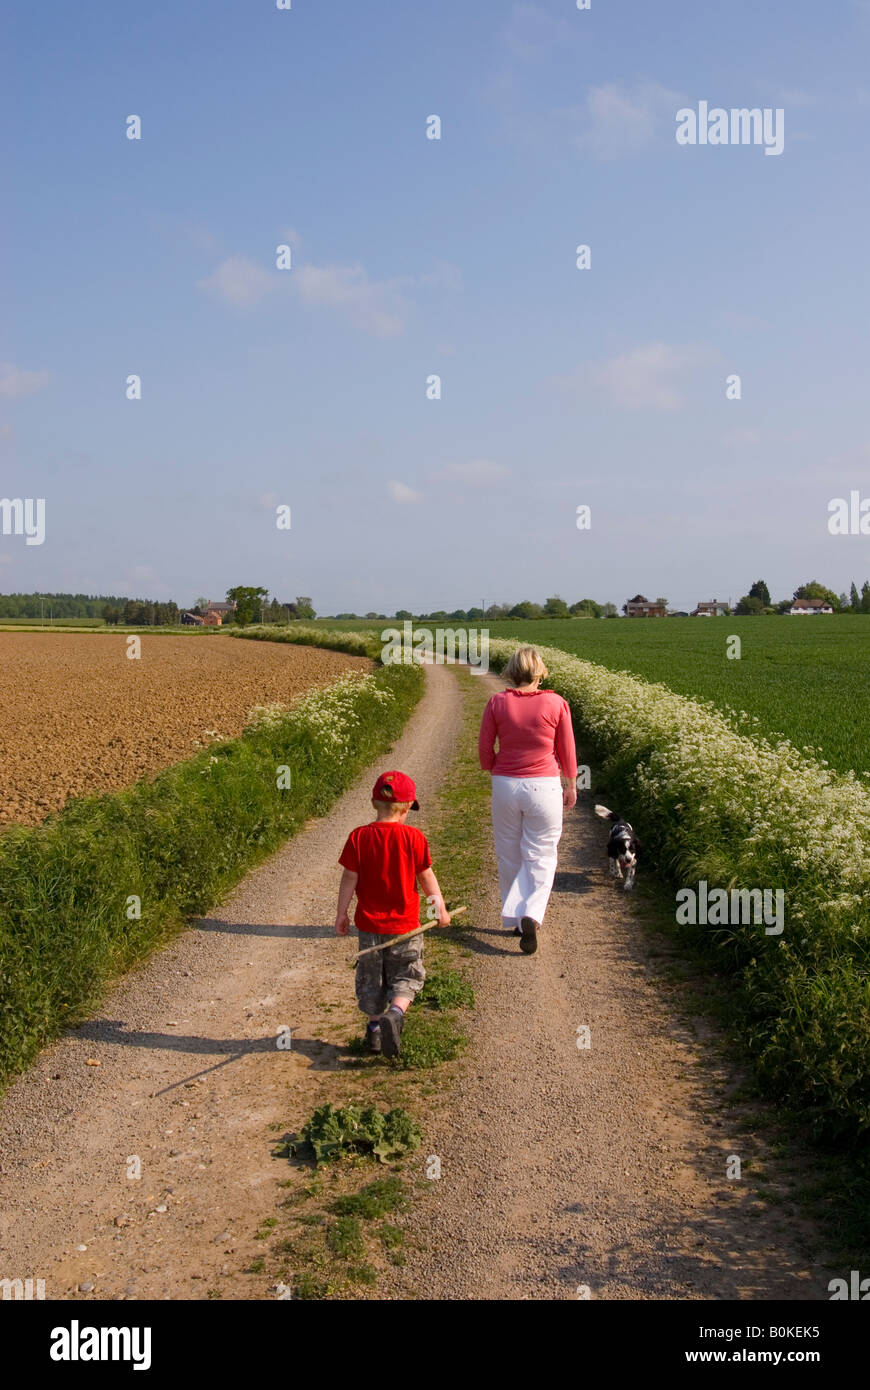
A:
x: 713, y: 609
x: 212, y: 619
x: 810, y: 605
x: 224, y: 609
x: 640, y: 607
x: 191, y: 620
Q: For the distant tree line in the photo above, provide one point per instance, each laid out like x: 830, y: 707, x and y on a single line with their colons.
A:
x: 554, y: 607
x: 141, y: 612
x: 252, y: 605
x: 60, y: 605
x: 757, y: 601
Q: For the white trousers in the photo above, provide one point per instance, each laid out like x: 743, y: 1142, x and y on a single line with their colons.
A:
x: 527, y: 827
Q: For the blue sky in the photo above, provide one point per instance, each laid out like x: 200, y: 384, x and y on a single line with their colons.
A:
x: 412, y: 257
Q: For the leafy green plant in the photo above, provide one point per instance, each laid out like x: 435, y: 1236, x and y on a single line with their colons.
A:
x: 331, y: 1132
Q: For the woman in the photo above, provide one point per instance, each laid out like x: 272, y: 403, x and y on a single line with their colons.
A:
x: 535, y: 744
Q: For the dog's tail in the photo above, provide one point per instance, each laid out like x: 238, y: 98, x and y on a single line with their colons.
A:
x: 603, y: 812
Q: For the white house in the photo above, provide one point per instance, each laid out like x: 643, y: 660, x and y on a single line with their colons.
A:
x: 810, y: 605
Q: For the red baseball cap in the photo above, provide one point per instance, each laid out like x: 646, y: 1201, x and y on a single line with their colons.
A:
x: 395, y: 786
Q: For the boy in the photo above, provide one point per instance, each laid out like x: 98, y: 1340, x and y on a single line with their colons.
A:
x: 383, y: 863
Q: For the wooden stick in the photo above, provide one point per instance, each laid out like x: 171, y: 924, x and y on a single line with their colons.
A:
x: 404, y: 937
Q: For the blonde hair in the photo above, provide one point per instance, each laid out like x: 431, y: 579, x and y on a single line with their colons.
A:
x: 525, y: 667
x: 391, y: 805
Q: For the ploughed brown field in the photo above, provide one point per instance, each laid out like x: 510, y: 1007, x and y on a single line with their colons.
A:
x: 77, y: 716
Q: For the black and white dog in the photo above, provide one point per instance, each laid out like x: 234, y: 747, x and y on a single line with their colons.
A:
x: 622, y: 847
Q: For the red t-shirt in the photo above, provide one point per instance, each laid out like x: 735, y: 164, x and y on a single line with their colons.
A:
x: 388, y: 856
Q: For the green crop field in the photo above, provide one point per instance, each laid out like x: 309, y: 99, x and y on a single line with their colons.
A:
x: 805, y: 679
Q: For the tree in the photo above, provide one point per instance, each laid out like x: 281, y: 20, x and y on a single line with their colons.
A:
x: 610, y: 610
x: 248, y: 602
x: 588, y: 608
x: 749, y: 604
x: 475, y: 614
x: 402, y: 615
x: 526, y: 609
x: 556, y: 607
x: 202, y: 606
x: 304, y: 608
x: 760, y: 590
x: 663, y: 603
x: 816, y: 590
x: 865, y: 597
x: 497, y: 611
x: 459, y: 615
x: 854, y: 599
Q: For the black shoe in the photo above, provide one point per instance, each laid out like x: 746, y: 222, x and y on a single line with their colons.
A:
x: 529, y: 936
x: 517, y: 931
x: 373, y: 1039
x: 391, y: 1032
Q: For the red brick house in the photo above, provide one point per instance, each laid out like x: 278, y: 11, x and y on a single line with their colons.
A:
x: 640, y: 607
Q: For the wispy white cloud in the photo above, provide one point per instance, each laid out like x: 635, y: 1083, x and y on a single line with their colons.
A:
x: 242, y: 282
x: 400, y: 492
x: 16, y: 381
x: 380, y: 307
x: 617, y: 120
x: 376, y: 305
x: 649, y: 377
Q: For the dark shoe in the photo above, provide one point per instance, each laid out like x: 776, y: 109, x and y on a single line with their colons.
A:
x: 529, y: 936
x: 373, y: 1038
x: 391, y: 1032
x: 517, y: 931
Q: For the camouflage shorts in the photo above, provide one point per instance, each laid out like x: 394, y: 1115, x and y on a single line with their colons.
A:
x: 384, y: 975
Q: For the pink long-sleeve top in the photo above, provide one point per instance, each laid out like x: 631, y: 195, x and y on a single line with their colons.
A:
x: 534, y: 732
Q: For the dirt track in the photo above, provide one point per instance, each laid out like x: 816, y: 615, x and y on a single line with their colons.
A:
x: 602, y: 1167
x: 77, y: 716
x: 599, y: 1169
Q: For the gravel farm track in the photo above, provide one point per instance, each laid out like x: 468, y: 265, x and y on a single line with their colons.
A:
x: 77, y: 716
x: 562, y: 1169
